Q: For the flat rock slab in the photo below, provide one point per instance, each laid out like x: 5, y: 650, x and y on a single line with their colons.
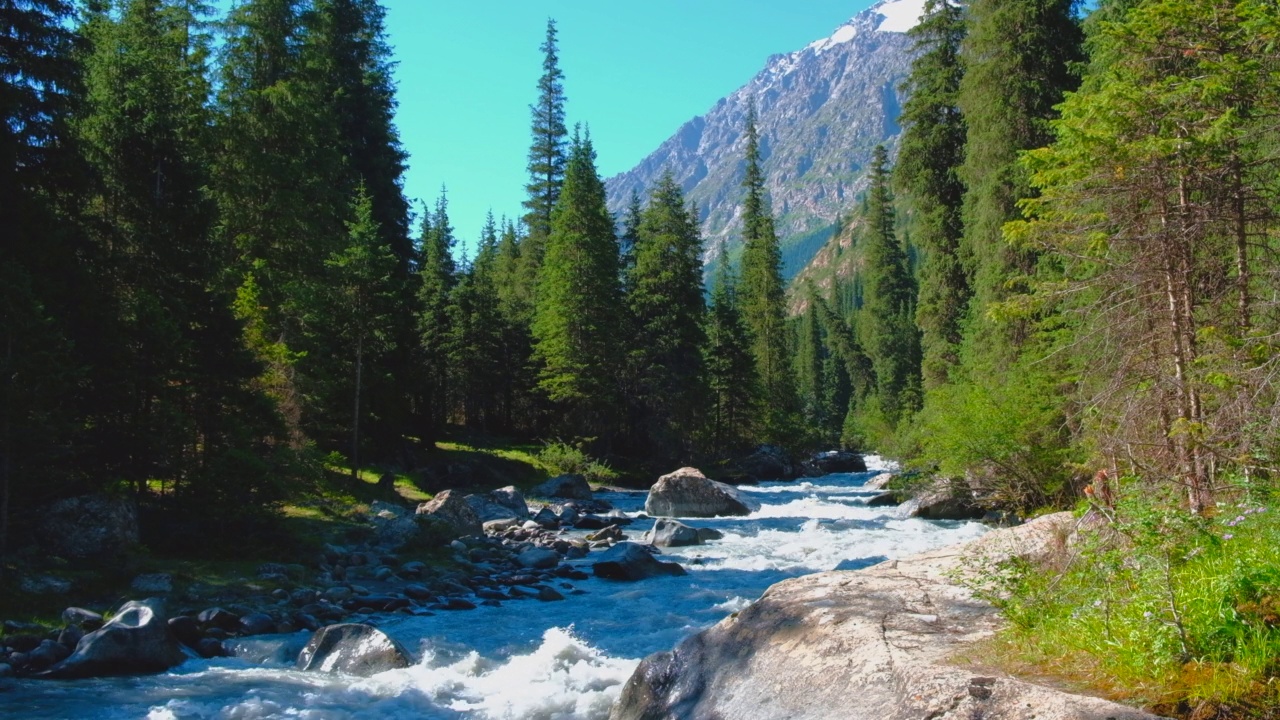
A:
x: 884, y: 642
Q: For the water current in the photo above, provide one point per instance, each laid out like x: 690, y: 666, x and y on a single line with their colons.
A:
x: 529, y: 660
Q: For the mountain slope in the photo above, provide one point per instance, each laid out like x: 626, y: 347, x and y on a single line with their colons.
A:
x: 822, y: 110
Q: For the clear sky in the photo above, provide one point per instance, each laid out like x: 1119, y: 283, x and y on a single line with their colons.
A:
x: 635, y: 70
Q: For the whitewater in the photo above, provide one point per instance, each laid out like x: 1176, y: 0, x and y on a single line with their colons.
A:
x: 528, y: 660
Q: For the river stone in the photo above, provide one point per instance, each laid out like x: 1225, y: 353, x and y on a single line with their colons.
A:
x: 705, y: 534
x: 44, y: 585
x: 570, y: 486
x: 393, y: 525
x: 450, y: 507
x: 688, y: 493
x: 257, y: 624
x: 354, y: 649
x: 886, y: 642
x: 89, y: 527
x: 838, y: 461
x: 87, y: 619
x: 185, y: 629
x: 511, y: 498
x: 629, y: 561
x: 538, y: 558
x: 768, y: 462
x: 884, y: 499
x: 46, y: 654
x: 153, y: 583
x: 671, y: 533
x: 945, y: 499
x: 70, y: 636
x: 135, y: 641
x: 216, y: 617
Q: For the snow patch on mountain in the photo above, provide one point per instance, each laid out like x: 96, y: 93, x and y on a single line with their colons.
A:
x: 899, y: 15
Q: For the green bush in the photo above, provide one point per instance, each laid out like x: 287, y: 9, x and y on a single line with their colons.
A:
x: 561, y: 458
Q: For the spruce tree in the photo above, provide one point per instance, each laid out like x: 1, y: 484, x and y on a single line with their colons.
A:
x: 764, y: 302
x: 437, y: 277
x: 579, y: 303
x: 887, y: 323
x: 665, y: 300
x: 929, y: 159
x: 547, y: 163
x: 731, y: 370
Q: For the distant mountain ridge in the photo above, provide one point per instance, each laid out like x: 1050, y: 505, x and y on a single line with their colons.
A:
x: 822, y: 109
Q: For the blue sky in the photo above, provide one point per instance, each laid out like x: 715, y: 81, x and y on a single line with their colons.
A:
x: 635, y: 70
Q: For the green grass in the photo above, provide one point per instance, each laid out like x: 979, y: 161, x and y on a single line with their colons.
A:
x: 1177, y: 613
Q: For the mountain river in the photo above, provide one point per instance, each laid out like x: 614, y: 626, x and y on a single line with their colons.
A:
x: 527, y: 659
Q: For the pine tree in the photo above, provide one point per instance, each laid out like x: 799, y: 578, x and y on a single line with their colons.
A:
x: 731, y: 370
x: 763, y: 301
x: 475, y: 359
x: 810, y: 357
x: 887, y: 323
x: 665, y: 300
x: 547, y: 163
x: 1029, y: 49
x: 630, y: 233
x: 929, y: 160
x: 579, y: 302
x: 438, y: 275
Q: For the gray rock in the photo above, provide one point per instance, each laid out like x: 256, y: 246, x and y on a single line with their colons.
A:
x: 257, y: 624
x: 70, y: 636
x: 185, y: 629
x: 547, y: 518
x: 671, y: 533
x: 497, y: 527
x: 44, y: 585
x: 47, y: 654
x: 353, y: 649
x: 839, y: 645
x: 946, y: 499
x: 486, y: 509
x: 688, y: 493
x: 89, y: 527
x: 153, y: 583
x: 216, y: 617
x: 450, y: 507
x: 768, y: 462
x: 706, y: 534
x: 210, y: 648
x: 538, y: 558
x: 570, y: 487
x: 271, y: 650
x: 393, y: 525
x: 884, y: 499
x: 838, y: 461
x: 879, y: 482
x: 512, y: 498
x: 83, y: 618
x: 549, y: 594
x: 135, y: 641
x: 6, y: 671
x: 629, y: 561
x: 613, y: 532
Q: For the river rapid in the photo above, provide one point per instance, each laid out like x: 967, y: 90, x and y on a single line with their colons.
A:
x: 529, y: 660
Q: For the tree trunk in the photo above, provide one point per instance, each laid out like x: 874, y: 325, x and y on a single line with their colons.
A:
x: 355, y: 416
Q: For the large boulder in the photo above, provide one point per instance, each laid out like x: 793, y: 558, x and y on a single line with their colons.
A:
x: 837, y: 461
x: 453, y: 510
x: 671, y: 533
x: 945, y: 499
x: 876, y: 643
x: 688, y: 493
x: 511, y: 498
x: 570, y: 487
x: 767, y: 462
x: 135, y: 641
x: 89, y: 527
x: 354, y: 649
x: 629, y: 561
x: 503, y: 504
x: 394, y: 525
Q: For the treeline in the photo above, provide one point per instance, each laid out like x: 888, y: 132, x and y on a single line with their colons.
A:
x: 210, y: 287
x: 1087, y: 208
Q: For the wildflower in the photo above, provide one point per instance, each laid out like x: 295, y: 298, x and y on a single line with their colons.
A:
x: 1227, y: 536
x: 1097, y: 603
x: 1239, y: 519
x: 1147, y: 614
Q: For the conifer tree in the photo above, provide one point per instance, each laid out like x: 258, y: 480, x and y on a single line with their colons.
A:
x: 665, y: 300
x: 579, y: 302
x: 548, y: 163
x: 475, y: 360
x: 929, y: 160
x: 763, y: 301
x: 731, y: 370
x: 1029, y: 49
x: 887, y: 323
x: 438, y: 274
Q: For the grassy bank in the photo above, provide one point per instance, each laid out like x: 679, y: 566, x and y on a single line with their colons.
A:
x: 1178, y: 613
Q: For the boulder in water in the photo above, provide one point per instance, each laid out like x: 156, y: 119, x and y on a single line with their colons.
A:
x: 945, y: 499
x: 671, y: 533
x: 767, y: 462
x: 135, y: 641
x: 688, y: 493
x: 352, y: 648
x: 629, y: 561
x: 837, y: 461
x: 569, y: 486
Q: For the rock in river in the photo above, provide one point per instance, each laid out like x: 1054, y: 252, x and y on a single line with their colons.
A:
x: 354, y: 649
x: 629, y: 561
x: 671, y: 533
x: 450, y: 507
x: 135, y: 641
x: 688, y: 493
x: 571, y: 487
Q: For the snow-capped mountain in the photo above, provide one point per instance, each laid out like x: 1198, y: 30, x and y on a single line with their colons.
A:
x: 822, y: 109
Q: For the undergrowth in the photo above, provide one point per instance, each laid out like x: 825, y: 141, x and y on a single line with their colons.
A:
x: 1159, y: 607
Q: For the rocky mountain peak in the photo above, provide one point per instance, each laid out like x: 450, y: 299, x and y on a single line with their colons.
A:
x: 822, y: 109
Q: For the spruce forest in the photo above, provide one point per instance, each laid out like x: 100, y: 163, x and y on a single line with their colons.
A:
x: 213, y: 292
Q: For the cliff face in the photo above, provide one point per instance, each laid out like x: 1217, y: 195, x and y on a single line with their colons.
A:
x: 892, y: 641
x: 822, y: 110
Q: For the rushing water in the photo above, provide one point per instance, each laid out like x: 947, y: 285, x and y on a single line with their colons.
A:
x: 529, y: 659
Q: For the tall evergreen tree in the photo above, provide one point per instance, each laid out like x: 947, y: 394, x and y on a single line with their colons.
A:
x: 1029, y: 49
x: 548, y: 163
x: 665, y: 300
x: 579, y: 302
x: 475, y: 361
x: 763, y: 300
x: 438, y: 275
x: 929, y: 159
x: 887, y: 322
x: 731, y: 371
